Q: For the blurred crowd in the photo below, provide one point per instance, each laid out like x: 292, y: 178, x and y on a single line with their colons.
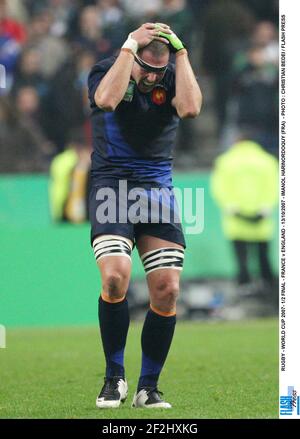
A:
x: 49, y: 46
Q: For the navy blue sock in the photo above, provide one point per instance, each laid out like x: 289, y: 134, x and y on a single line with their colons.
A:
x: 114, y: 323
x: 157, y: 336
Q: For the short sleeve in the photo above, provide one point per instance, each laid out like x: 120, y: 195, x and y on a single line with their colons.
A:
x: 168, y: 82
x: 96, y: 75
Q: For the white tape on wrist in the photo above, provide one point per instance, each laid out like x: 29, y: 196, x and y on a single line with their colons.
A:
x: 131, y: 44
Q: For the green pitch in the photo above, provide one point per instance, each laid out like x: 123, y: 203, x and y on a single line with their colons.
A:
x: 214, y: 370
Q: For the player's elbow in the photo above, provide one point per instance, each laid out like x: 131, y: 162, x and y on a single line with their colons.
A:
x: 192, y: 109
x: 189, y: 113
x: 105, y: 106
x: 105, y: 103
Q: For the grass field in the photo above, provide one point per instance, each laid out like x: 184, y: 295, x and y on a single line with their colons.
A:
x: 214, y: 370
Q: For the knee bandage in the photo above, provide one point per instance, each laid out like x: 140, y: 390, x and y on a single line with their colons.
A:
x: 167, y: 257
x: 111, y: 245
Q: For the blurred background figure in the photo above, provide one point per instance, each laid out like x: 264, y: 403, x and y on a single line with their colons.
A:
x: 245, y: 186
x: 227, y: 28
x: 12, y: 37
x: 67, y: 98
x: 255, y: 88
x: 90, y: 35
x: 23, y: 146
x: 28, y: 72
x: 114, y: 23
x: 53, y: 50
x: 101, y: 29
x: 69, y: 181
x: 179, y: 18
x: 148, y: 10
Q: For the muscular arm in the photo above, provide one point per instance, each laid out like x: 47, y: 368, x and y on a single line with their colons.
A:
x: 113, y: 86
x: 188, y: 99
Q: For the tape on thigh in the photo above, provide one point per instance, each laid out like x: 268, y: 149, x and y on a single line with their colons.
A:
x: 166, y: 257
x: 111, y: 245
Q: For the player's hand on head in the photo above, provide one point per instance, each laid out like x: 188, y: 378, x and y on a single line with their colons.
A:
x: 175, y: 44
x: 149, y: 32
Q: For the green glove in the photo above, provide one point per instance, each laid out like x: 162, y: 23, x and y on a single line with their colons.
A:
x: 175, y: 43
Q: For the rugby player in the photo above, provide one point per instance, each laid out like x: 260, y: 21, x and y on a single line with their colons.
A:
x: 137, y: 99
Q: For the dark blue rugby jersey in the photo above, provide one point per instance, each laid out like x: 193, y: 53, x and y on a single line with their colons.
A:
x: 134, y: 142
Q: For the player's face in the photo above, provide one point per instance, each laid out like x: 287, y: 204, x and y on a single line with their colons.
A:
x: 146, y: 80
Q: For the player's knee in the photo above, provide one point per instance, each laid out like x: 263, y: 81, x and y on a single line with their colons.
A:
x: 167, y: 292
x: 115, y: 284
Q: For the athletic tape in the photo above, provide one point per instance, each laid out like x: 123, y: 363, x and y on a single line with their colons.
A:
x: 166, y: 257
x: 111, y: 245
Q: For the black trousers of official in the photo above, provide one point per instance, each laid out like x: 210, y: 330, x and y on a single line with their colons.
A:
x: 242, y: 249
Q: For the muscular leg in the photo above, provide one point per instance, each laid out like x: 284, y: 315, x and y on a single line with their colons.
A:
x: 113, y: 311
x: 159, y: 325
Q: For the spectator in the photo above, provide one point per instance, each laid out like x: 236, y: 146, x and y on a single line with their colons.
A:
x: 12, y: 37
x: 10, y: 27
x: 63, y: 12
x: 147, y: 10
x: 255, y: 87
x: 21, y: 142
x: 69, y: 181
x: 17, y: 10
x: 102, y: 29
x: 9, y: 53
x: 245, y: 187
x: 53, y: 50
x: 67, y: 98
x: 90, y: 36
x: 111, y: 13
x: 28, y: 72
x: 176, y: 14
x: 27, y: 101
x: 35, y: 6
x: 263, y: 10
x: 198, y: 9
x: 227, y: 27
x: 113, y: 23
x: 28, y: 106
x: 265, y: 36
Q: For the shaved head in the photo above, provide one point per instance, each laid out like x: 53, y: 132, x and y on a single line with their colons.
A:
x: 156, y: 48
